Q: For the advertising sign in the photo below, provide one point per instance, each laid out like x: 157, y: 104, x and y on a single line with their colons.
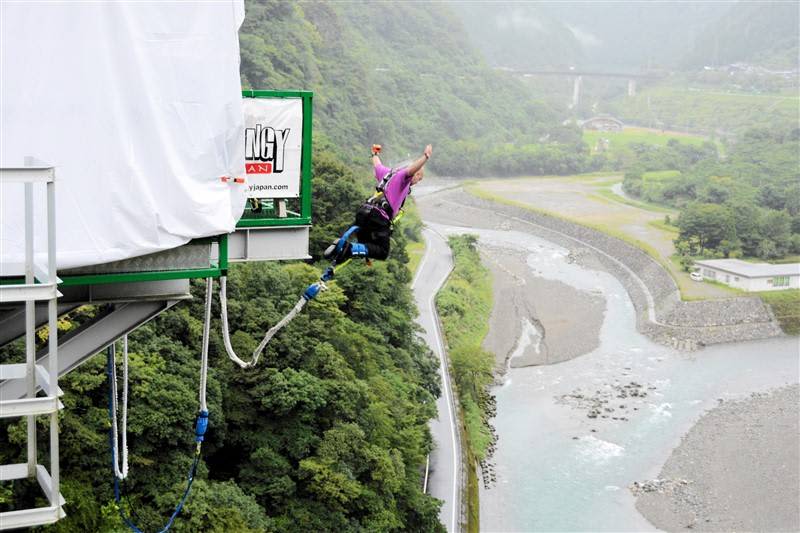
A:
x: 273, y: 139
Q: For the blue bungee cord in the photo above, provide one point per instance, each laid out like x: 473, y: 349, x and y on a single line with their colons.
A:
x: 201, y: 423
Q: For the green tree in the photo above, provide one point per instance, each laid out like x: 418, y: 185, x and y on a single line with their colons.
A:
x: 775, y: 227
x: 710, y: 224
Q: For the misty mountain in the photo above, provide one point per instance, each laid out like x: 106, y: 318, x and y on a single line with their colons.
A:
x: 521, y: 36
x: 635, y: 35
x: 762, y: 33
x: 631, y: 36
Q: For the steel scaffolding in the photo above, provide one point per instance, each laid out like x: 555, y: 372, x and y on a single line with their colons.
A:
x: 39, y: 284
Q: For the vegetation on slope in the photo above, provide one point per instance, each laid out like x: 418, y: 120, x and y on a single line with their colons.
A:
x: 786, y: 308
x: 403, y: 75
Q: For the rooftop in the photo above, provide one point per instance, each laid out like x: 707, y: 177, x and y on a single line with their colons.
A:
x: 751, y: 270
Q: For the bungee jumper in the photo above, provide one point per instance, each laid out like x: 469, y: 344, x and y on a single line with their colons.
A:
x: 373, y: 224
x: 372, y: 228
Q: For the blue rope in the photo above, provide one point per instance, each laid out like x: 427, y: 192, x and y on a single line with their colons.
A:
x: 201, y: 425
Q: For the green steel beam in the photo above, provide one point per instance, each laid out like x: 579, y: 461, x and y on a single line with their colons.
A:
x: 261, y: 222
x: 305, y: 162
x: 132, y: 277
x: 261, y: 93
x: 222, y: 251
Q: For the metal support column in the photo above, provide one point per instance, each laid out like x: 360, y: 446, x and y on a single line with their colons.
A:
x: 30, y: 339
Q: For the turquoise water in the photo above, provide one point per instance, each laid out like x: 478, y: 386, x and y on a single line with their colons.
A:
x: 553, y: 472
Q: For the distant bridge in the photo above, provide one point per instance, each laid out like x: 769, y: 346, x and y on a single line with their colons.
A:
x: 578, y: 76
x: 585, y: 73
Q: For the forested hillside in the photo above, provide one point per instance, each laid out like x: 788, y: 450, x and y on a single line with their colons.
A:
x: 402, y: 74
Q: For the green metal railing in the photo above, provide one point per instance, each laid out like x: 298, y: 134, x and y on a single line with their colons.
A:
x: 214, y: 270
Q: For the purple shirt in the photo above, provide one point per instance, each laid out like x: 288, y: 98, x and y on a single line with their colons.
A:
x: 398, y: 187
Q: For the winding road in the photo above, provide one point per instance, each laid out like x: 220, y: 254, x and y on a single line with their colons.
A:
x: 442, y: 479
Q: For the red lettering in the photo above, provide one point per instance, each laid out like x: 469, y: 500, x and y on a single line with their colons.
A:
x: 258, y: 168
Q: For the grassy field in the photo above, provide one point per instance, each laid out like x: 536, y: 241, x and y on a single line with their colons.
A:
x: 605, y: 193
x: 662, y: 225
x: 633, y: 135
x: 786, y: 307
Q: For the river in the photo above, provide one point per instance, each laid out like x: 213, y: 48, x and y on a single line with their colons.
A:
x: 558, y: 467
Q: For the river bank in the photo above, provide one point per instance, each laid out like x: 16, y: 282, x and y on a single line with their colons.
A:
x: 574, y: 436
x: 525, y: 309
x: 738, y: 469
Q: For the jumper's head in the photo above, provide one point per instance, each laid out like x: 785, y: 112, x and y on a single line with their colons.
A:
x: 417, y: 177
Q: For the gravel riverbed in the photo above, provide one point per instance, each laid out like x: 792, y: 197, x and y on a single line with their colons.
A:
x: 738, y: 469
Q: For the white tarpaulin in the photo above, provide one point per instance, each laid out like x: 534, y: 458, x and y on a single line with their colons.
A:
x: 138, y: 106
x: 273, y: 143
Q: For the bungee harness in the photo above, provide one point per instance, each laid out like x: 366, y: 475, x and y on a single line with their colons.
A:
x: 200, y: 427
x: 379, y: 200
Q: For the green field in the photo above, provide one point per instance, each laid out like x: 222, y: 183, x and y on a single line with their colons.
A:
x: 630, y: 135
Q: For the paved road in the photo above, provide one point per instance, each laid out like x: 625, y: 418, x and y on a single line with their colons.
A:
x: 443, y: 479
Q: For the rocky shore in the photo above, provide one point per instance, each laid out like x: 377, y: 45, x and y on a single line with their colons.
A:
x: 738, y: 469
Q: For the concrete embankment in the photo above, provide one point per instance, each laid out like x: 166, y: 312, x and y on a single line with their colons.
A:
x: 661, y: 314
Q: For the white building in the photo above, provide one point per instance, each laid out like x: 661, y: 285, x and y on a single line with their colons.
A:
x: 751, y: 276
